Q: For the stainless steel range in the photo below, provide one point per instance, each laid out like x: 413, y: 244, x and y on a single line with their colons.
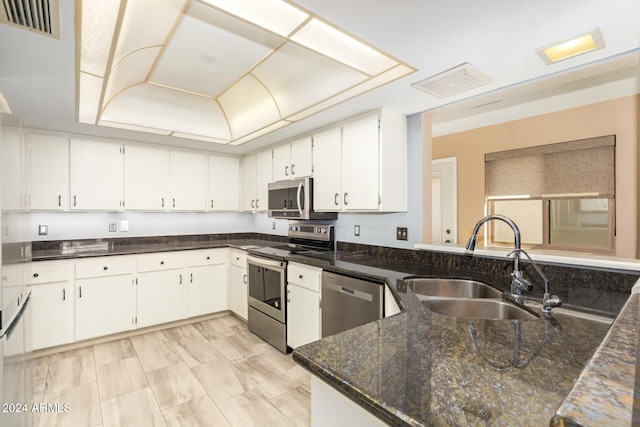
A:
x: 267, y: 272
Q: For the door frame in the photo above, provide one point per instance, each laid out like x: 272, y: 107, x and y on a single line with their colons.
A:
x: 447, y: 169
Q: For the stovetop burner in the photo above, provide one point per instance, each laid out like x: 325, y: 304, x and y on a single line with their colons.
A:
x: 303, y: 239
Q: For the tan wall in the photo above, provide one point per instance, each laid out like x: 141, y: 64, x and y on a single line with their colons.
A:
x: 618, y: 117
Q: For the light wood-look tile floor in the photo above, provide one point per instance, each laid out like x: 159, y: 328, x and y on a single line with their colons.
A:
x: 209, y: 373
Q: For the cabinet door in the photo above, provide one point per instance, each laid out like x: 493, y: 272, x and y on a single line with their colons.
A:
x: 360, y: 156
x: 207, y: 290
x: 264, y: 175
x: 224, y: 184
x: 238, y: 290
x: 12, y: 158
x: 146, y: 178
x: 282, y: 162
x: 188, y: 181
x: 249, y: 183
x: 104, y: 305
x: 48, y: 172
x: 327, y: 170
x: 97, y: 174
x: 52, y: 314
x: 301, y: 158
x: 303, y: 316
x: 160, y: 297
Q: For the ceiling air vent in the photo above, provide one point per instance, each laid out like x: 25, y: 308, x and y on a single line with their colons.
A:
x: 41, y: 16
x: 451, y: 82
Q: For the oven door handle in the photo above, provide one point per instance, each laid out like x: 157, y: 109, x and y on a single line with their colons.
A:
x: 267, y: 263
x: 299, y: 201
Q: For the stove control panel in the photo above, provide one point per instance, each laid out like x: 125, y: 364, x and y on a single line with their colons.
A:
x: 311, y: 231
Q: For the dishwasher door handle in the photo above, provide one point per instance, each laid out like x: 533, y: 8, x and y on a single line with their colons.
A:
x: 354, y: 293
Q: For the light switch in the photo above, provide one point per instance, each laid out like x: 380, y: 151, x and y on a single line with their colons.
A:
x: 124, y: 225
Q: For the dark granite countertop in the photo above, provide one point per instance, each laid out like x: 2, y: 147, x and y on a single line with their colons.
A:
x: 421, y: 368
x: 56, y: 250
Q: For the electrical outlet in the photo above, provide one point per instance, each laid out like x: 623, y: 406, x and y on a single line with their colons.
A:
x: 356, y: 230
x: 124, y: 225
x: 113, y: 226
x: 402, y: 233
x: 43, y: 230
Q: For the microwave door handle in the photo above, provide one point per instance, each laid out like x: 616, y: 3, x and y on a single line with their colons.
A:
x: 298, y: 197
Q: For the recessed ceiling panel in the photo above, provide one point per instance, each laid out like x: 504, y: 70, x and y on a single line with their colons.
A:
x: 298, y: 78
x: 131, y: 70
x: 210, y: 50
x: 248, y: 107
x: 147, y: 23
x: 162, y: 108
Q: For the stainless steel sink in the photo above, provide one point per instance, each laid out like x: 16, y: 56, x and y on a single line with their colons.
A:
x: 426, y: 288
x: 478, y: 309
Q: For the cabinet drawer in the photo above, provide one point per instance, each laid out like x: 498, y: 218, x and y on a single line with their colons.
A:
x: 207, y: 257
x: 44, y: 272
x: 160, y: 261
x: 106, y: 266
x: 305, y: 276
x: 238, y: 258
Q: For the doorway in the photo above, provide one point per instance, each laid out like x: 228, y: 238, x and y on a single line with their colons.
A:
x: 444, y: 201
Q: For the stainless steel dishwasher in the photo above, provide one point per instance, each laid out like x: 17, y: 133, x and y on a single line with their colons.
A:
x: 348, y: 302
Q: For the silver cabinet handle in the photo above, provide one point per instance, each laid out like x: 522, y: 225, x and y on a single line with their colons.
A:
x: 75, y: 199
x: 191, y: 278
x: 244, y: 279
x: 211, y: 202
x: 253, y: 203
x: 293, y: 169
x: 64, y: 294
x: 174, y: 202
x: 162, y: 206
x: 300, y: 276
x: 59, y: 199
x: 344, y: 199
x: 286, y: 170
x: 79, y: 291
x: 181, y: 279
x: 257, y: 203
x: 335, y: 199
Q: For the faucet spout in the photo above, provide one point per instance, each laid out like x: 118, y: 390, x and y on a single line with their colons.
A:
x: 471, y: 244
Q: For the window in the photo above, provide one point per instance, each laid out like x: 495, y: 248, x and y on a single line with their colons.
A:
x: 561, y: 196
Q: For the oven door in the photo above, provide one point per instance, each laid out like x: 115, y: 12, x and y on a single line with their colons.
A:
x: 267, y: 286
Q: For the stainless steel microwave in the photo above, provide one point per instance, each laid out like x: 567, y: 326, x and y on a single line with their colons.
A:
x: 293, y: 199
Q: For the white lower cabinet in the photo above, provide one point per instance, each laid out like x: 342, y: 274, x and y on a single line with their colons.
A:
x: 207, y: 282
x: 160, y: 288
x: 104, y: 296
x: 304, y: 315
x: 52, y: 304
x: 238, y: 292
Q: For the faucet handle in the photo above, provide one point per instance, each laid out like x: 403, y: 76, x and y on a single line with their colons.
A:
x: 549, y: 302
x: 521, y: 283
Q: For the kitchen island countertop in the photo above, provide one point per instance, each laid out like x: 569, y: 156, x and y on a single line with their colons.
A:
x: 422, y: 368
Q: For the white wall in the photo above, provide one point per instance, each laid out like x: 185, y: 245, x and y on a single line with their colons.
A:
x: 94, y: 225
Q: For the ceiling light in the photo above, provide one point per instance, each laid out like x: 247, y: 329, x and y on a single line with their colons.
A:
x: 221, y: 71
x: 572, y: 47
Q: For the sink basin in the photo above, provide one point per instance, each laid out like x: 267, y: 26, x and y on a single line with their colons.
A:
x: 425, y: 287
x: 478, y: 309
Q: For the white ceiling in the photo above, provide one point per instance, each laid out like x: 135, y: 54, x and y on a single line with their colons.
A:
x: 499, y: 37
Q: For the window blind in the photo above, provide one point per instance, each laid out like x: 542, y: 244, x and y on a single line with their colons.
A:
x: 581, y: 168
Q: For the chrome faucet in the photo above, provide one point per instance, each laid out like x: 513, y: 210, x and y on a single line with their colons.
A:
x: 519, y: 284
x: 548, y: 301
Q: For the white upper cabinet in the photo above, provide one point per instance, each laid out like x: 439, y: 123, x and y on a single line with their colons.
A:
x: 327, y: 181
x: 362, y: 165
x: 293, y: 160
x: 48, y: 172
x: 224, y: 184
x: 257, y: 173
x: 97, y: 175
x: 12, y: 156
x: 146, y: 178
x: 189, y: 176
